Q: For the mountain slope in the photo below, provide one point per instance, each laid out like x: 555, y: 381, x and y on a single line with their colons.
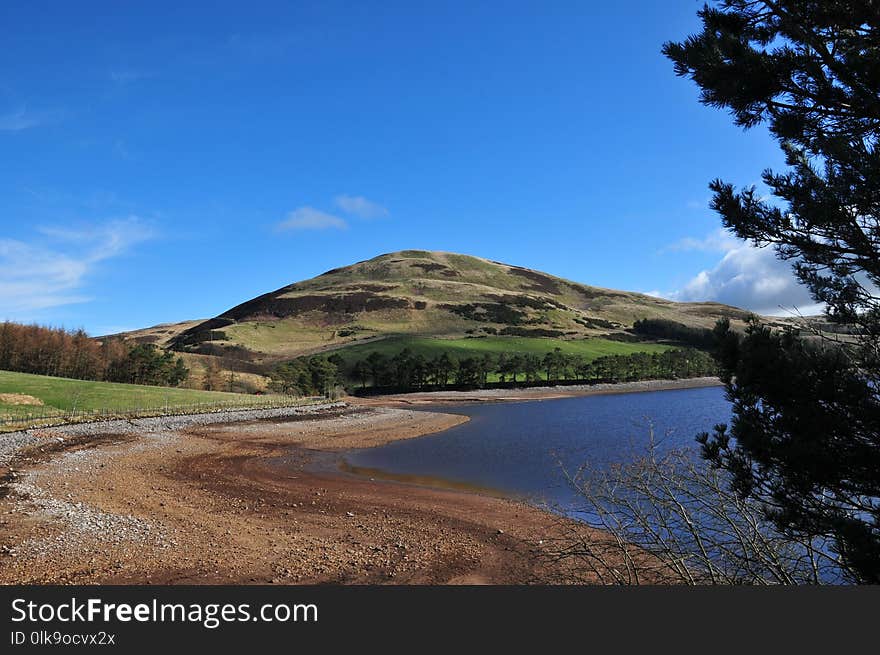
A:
x: 427, y: 294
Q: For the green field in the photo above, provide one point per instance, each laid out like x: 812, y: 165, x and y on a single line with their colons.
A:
x: 82, y: 395
x: 588, y: 348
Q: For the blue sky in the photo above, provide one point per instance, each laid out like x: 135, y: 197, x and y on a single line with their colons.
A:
x: 165, y: 161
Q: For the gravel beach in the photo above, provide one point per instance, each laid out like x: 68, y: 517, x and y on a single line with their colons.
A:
x: 249, y: 497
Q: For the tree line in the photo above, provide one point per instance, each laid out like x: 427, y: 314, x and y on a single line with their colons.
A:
x: 73, y: 354
x: 407, y: 369
x: 412, y: 370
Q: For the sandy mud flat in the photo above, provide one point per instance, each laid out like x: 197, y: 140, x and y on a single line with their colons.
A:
x: 239, y: 499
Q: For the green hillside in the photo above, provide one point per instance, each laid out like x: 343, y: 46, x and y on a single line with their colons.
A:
x: 421, y: 295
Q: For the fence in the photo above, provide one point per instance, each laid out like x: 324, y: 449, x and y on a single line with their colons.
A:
x: 46, y: 416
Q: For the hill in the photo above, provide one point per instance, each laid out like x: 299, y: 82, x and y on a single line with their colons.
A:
x: 425, y: 295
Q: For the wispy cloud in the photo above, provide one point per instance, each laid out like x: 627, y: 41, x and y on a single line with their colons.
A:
x: 718, y: 241
x: 104, y: 240
x: 19, y: 120
x: 361, y: 207
x: 309, y: 218
x: 54, y: 270
x: 699, y: 204
x: 33, y: 278
x: 22, y: 118
x: 128, y: 76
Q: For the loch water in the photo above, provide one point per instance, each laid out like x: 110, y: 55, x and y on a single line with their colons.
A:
x: 521, y: 449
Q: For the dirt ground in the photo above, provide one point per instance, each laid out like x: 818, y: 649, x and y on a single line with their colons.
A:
x: 258, y: 502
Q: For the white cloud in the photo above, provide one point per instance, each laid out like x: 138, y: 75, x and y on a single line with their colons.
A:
x: 35, y: 276
x: 746, y: 276
x: 360, y: 207
x: 309, y: 218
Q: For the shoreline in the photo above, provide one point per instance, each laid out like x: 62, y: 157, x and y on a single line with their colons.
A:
x: 534, y: 393
x: 243, y: 498
x: 241, y: 503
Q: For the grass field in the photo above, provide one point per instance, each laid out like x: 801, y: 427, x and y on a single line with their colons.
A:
x: 292, y: 337
x: 66, y: 399
x: 587, y: 348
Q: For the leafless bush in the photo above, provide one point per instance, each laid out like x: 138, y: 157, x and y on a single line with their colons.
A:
x: 669, y: 518
x: 335, y: 393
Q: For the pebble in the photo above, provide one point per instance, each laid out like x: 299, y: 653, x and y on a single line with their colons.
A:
x: 12, y: 442
x: 80, y: 523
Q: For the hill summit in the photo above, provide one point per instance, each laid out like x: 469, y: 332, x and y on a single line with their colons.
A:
x: 429, y: 294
